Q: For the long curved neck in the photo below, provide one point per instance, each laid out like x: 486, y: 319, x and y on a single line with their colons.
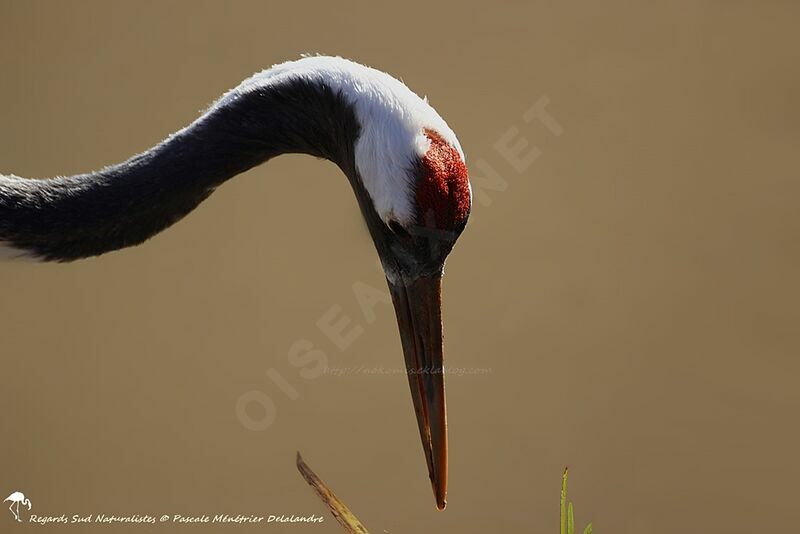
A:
x: 73, y: 217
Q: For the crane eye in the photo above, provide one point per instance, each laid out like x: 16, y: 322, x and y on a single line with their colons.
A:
x: 397, y: 229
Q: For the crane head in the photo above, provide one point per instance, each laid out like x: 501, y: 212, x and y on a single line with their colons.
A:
x: 413, y: 250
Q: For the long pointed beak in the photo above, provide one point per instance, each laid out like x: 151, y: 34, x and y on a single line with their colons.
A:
x: 418, y: 305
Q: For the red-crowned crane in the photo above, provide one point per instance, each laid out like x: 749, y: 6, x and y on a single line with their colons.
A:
x: 403, y: 161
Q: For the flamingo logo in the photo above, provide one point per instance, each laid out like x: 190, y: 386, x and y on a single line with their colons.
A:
x: 16, y: 498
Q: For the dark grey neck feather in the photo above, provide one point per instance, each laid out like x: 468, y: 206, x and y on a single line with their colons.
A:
x: 73, y: 217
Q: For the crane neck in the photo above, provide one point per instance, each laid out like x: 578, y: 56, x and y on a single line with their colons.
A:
x: 68, y: 218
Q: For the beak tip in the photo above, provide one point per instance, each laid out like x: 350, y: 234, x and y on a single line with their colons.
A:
x: 440, y: 494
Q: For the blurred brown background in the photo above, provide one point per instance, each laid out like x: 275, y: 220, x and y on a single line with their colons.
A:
x: 633, y: 290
